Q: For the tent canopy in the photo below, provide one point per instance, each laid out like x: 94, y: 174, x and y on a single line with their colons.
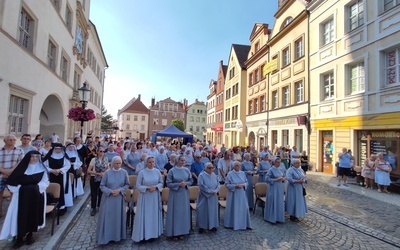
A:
x: 173, y: 132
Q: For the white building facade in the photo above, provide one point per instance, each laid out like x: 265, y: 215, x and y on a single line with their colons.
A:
x: 48, y: 50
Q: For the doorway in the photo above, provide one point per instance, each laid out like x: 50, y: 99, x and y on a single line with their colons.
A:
x: 328, y: 159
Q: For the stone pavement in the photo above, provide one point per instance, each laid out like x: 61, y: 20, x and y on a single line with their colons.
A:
x: 338, y: 218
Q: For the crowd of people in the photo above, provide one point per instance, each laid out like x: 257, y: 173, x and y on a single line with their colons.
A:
x: 107, y: 165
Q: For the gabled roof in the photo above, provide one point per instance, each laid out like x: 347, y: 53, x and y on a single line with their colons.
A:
x: 242, y: 51
x: 197, y: 102
x: 134, y: 106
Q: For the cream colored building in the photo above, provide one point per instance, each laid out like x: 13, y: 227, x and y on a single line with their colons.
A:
x: 133, y: 120
x: 211, y: 103
x: 235, y: 90
x: 355, y: 83
x: 257, y: 90
x: 196, y: 119
x: 48, y: 51
x: 288, y: 77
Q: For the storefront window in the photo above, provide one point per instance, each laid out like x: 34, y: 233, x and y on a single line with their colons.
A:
x: 285, y: 137
x: 299, y: 140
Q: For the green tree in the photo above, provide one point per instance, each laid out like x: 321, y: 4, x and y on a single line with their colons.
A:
x: 178, y: 123
x: 106, y: 120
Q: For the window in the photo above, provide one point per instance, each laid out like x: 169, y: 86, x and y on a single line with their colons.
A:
x: 203, y: 120
x: 285, y: 137
x: 128, y: 117
x: 274, y: 99
x: 191, y: 119
x: 64, y: 69
x: 77, y: 80
x: 250, y: 107
x: 356, y: 14
x: 262, y: 102
x: 250, y: 79
x: 235, y: 112
x: 26, y: 28
x: 135, y: 118
x: 164, y: 122
x: 127, y: 127
x: 275, y: 58
x: 286, y: 96
x: 141, y: 127
x: 235, y: 89
x: 388, y: 4
x: 228, y: 94
x: 155, y: 113
x: 17, y: 114
x: 285, y: 57
x: 143, y: 118
x: 257, y: 46
x: 56, y: 4
x: 255, y: 105
x: 274, y: 137
x: 191, y: 128
x: 328, y: 86
x: 227, y: 114
x: 298, y: 48
x: 197, y: 128
x: 328, y: 32
x: 68, y: 18
x: 182, y: 115
x: 155, y: 121
x: 357, y: 78
x: 256, y: 76
x: 231, y: 72
x: 392, y: 66
x: 299, y: 91
x: 298, y: 133
x: 51, y: 55
x: 134, y: 126
x: 163, y: 114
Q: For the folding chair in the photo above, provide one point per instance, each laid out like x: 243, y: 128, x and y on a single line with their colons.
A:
x: 193, y: 194
x: 260, y: 190
x: 53, y: 189
x: 223, y: 192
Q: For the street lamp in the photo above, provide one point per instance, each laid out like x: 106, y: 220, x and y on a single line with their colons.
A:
x: 83, y: 95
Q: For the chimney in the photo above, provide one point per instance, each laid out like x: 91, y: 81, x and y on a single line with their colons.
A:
x: 153, y: 101
x: 138, y: 97
x: 197, y: 100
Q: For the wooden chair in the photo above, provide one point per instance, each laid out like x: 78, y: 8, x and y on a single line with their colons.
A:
x: 128, y: 208
x: 164, y: 199
x: 255, y: 179
x: 134, y: 206
x: 260, y: 190
x: 223, y: 192
x: 193, y: 194
x: 6, y: 193
x: 132, y: 181
x: 54, y: 189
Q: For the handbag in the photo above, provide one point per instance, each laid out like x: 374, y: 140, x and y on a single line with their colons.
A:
x: 367, y: 171
x: 304, y: 191
x: 353, y: 173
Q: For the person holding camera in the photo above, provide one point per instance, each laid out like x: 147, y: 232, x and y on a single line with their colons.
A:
x: 343, y: 170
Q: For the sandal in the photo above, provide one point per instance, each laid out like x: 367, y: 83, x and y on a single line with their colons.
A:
x: 379, y: 191
x: 385, y: 191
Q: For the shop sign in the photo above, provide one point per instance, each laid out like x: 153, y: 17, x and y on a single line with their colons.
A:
x: 217, y: 129
x: 270, y: 66
x: 385, y: 134
x: 283, y: 122
x: 239, y: 126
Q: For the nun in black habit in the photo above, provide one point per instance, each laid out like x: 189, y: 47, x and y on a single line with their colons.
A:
x: 26, y: 212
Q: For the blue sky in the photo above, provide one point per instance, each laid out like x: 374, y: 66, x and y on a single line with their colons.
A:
x: 170, y: 48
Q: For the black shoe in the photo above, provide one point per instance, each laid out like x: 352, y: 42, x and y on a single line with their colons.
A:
x: 214, y: 229
x: 19, y: 243
x: 29, y: 239
x: 93, y: 212
x: 201, y: 230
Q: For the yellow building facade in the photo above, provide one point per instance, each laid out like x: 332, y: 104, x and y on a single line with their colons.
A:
x: 287, y: 70
x: 354, y: 81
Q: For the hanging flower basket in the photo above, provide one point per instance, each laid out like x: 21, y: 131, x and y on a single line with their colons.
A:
x: 80, y: 114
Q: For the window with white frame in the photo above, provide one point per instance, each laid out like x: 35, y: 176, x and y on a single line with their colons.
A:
x: 392, y: 66
x: 203, y: 120
x: 68, y: 18
x: 64, y: 68
x: 299, y: 91
x: 250, y: 107
x: 356, y: 14
x: 357, y: 78
x: 26, y: 29
x: 134, y: 126
x: 275, y: 99
x: 51, y: 55
x: 143, y: 118
x: 128, y: 117
x: 388, y: 4
x: 164, y: 122
x: 127, y: 127
x: 17, y: 115
x: 197, y: 128
x: 135, y: 118
x: 155, y: 121
x: 286, y: 96
x: 197, y: 119
x: 182, y: 115
x: 328, y: 86
x: 285, y: 57
x: 141, y: 127
x: 191, y: 119
x: 328, y: 31
x: 155, y: 113
x: 298, y: 48
x: 262, y: 103
x: 255, y: 105
x: 77, y: 79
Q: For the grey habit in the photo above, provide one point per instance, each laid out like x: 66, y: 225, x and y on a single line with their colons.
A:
x: 295, y: 200
x: 262, y: 169
x: 178, y: 214
x: 207, y: 203
x: 111, y: 222
x: 249, y: 166
x: 237, y: 215
x: 274, y: 207
x: 148, y: 222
